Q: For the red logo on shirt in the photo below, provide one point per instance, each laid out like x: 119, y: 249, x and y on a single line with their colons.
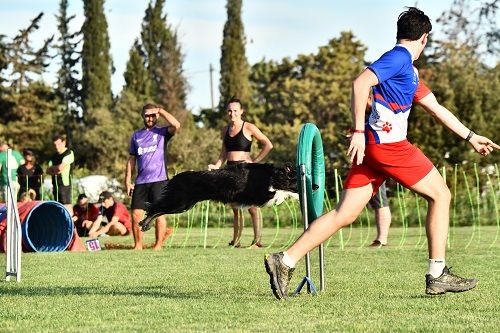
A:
x: 386, y: 127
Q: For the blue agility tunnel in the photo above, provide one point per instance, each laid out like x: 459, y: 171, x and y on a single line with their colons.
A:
x: 46, y: 225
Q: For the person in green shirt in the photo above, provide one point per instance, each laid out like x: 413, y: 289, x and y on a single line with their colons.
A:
x: 16, y: 159
x: 60, y: 169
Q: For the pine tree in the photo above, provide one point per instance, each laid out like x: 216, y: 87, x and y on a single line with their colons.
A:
x: 22, y: 64
x: 137, y: 81
x: 172, y: 87
x: 311, y: 88
x: 68, y: 85
x: 32, y: 120
x: 24, y: 60
x: 27, y: 104
x: 152, y: 35
x: 97, y: 123
x: 234, y: 68
x: 96, y: 59
x: 164, y: 61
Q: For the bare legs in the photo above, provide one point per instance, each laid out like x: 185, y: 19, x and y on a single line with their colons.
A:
x: 160, y: 232
x: 112, y: 229
x: 137, y: 215
x: 350, y: 206
x: 238, y: 222
x: 257, y: 225
x: 383, y: 221
x: 432, y: 187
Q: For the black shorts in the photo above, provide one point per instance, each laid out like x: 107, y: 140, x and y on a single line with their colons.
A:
x: 380, y: 198
x: 62, y: 194
x: 148, y: 192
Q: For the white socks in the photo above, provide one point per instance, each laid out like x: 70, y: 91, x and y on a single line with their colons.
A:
x: 287, y: 260
x: 436, y: 267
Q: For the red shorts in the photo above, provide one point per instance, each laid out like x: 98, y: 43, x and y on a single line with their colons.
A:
x: 401, y: 161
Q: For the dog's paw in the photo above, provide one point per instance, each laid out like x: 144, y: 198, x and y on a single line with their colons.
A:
x: 145, y: 225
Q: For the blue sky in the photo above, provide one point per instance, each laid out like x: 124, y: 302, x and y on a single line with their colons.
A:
x: 274, y: 28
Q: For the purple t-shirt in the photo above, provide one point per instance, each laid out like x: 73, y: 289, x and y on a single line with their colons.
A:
x: 150, y: 147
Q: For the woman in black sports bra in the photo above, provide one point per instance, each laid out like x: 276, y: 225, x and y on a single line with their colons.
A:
x: 236, y: 143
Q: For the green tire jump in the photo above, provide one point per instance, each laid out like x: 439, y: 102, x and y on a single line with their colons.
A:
x: 310, y: 153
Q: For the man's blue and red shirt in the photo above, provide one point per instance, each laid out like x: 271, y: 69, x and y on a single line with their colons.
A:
x: 393, y: 96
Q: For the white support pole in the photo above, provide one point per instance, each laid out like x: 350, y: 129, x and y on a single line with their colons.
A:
x: 306, y: 219
x: 8, y: 248
x: 307, y: 279
x: 14, y: 233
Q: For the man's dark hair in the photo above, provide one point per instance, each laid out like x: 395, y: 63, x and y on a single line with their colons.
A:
x: 149, y: 106
x: 81, y: 196
x: 234, y: 99
x: 105, y: 195
x: 61, y: 137
x: 412, y: 24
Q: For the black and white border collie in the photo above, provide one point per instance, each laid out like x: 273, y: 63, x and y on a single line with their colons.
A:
x: 244, y: 184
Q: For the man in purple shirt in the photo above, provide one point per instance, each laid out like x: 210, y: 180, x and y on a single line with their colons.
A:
x: 148, y: 149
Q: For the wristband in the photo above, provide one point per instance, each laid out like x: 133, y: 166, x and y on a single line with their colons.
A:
x: 353, y: 130
x: 469, y: 136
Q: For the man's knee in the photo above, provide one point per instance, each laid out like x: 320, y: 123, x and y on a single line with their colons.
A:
x: 433, y: 188
x: 446, y: 194
x: 137, y: 215
x: 346, y: 220
x: 252, y: 210
x: 161, y: 220
x: 117, y: 230
x: 441, y: 194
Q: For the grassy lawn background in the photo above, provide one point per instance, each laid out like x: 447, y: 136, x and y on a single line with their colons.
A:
x: 189, y: 288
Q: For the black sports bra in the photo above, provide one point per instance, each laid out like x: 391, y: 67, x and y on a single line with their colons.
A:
x: 238, y: 142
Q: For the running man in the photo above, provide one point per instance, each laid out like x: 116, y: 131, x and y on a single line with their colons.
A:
x: 379, y: 149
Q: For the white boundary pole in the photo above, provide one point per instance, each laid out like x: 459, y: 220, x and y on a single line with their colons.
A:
x: 306, y: 219
x: 14, y: 233
x: 307, y: 279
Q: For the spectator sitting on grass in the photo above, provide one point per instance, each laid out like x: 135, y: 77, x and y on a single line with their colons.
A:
x: 84, y: 214
x: 117, y: 215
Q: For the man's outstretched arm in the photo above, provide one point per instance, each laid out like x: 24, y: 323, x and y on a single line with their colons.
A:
x: 481, y: 144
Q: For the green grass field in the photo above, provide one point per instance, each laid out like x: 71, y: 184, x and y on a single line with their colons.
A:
x: 186, y: 288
